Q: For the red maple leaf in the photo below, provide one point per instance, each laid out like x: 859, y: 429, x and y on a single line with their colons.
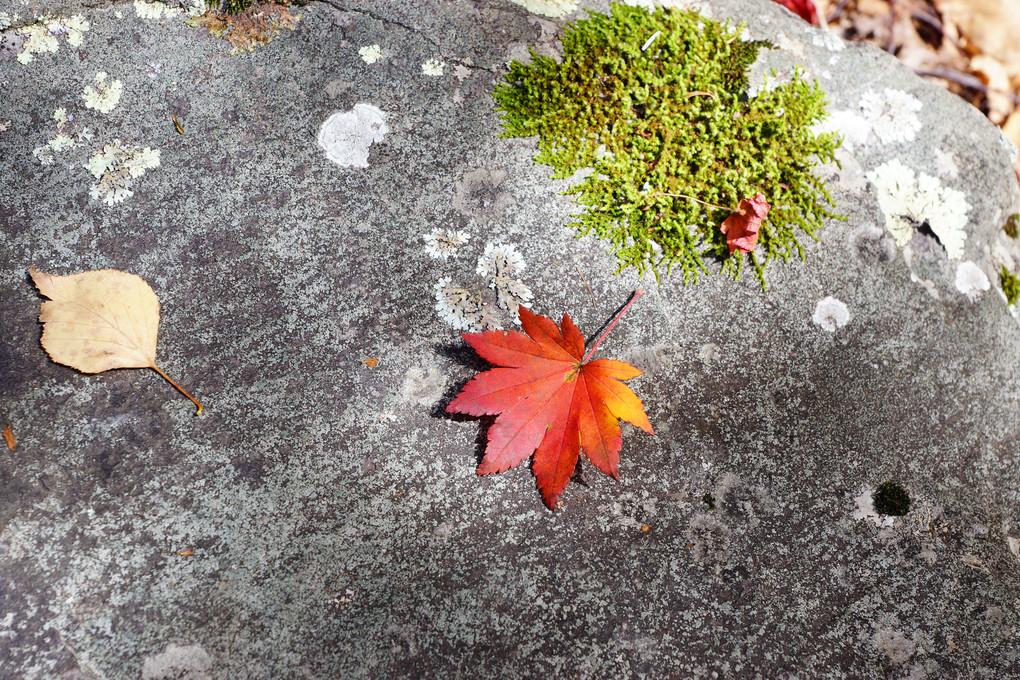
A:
x: 550, y: 401
x: 805, y: 9
x: 741, y: 228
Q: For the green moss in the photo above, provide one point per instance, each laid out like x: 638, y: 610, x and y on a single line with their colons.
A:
x: 1010, y: 227
x: 674, y: 118
x: 1010, y: 285
x: 235, y: 6
x: 891, y: 499
x: 709, y: 501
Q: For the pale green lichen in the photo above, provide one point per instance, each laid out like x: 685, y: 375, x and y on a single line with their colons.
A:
x: 42, y: 35
x: 154, y: 10
x: 102, y: 94
x: 657, y: 105
x: 549, y: 8
x: 370, y: 53
x: 116, y: 167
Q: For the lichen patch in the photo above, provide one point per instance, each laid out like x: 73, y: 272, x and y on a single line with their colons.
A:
x: 102, y: 94
x: 971, y: 280
x: 442, y: 244
x: 910, y: 201
x: 370, y: 53
x: 44, y: 33
x: 549, y: 8
x: 347, y: 135
x: 463, y: 309
x: 117, y: 167
x: 830, y: 314
x: 433, y: 67
x: 155, y: 10
x: 501, y: 265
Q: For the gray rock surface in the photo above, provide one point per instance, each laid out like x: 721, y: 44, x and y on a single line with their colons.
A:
x: 336, y: 523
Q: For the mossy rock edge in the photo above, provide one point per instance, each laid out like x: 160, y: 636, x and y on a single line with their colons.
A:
x: 656, y: 104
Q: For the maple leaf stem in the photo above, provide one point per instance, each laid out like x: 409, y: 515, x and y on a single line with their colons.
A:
x: 637, y: 293
x: 181, y: 389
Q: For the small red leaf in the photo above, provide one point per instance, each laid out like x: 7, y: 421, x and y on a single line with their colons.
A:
x: 741, y: 228
x: 550, y: 401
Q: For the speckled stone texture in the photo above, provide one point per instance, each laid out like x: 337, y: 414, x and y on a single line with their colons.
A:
x: 337, y: 527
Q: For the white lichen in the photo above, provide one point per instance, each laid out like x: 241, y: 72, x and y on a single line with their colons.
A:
x: 442, y: 244
x: 102, y: 95
x: 462, y: 309
x: 44, y: 155
x: 549, y: 8
x: 971, y: 280
x: 5, y: 21
x: 5, y: 126
x: 155, y: 10
x: 74, y: 28
x: 346, y: 135
x: 66, y: 137
x: 830, y: 314
x: 433, y: 67
x: 911, y: 200
x: 370, y: 53
x: 116, y: 167
x: 892, y: 115
x: 501, y: 265
x: 499, y: 260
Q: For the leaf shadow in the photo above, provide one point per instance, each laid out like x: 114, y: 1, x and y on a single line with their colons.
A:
x: 464, y: 355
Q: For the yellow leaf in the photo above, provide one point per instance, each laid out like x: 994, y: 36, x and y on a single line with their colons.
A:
x: 100, y: 320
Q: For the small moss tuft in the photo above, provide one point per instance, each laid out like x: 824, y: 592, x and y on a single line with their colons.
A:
x: 235, y: 6
x: 1010, y: 285
x: 1010, y: 227
x: 673, y: 139
x: 891, y: 499
x: 709, y: 501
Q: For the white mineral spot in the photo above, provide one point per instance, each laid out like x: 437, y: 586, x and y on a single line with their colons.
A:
x: 346, y: 135
x: 866, y: 509
x: 549, y: 8
x: 191, y: 662
x: 433, y: 67
x: 830, y: 314
x: 945, y: 164
x: 709, y: 353
x: 370, y: 53
x: 971, y: 280
x: 1014, y: 546
x: 828, y: 40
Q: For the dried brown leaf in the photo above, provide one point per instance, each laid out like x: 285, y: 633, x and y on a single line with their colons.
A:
x: 100, y: 320
x: 9, y: 438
